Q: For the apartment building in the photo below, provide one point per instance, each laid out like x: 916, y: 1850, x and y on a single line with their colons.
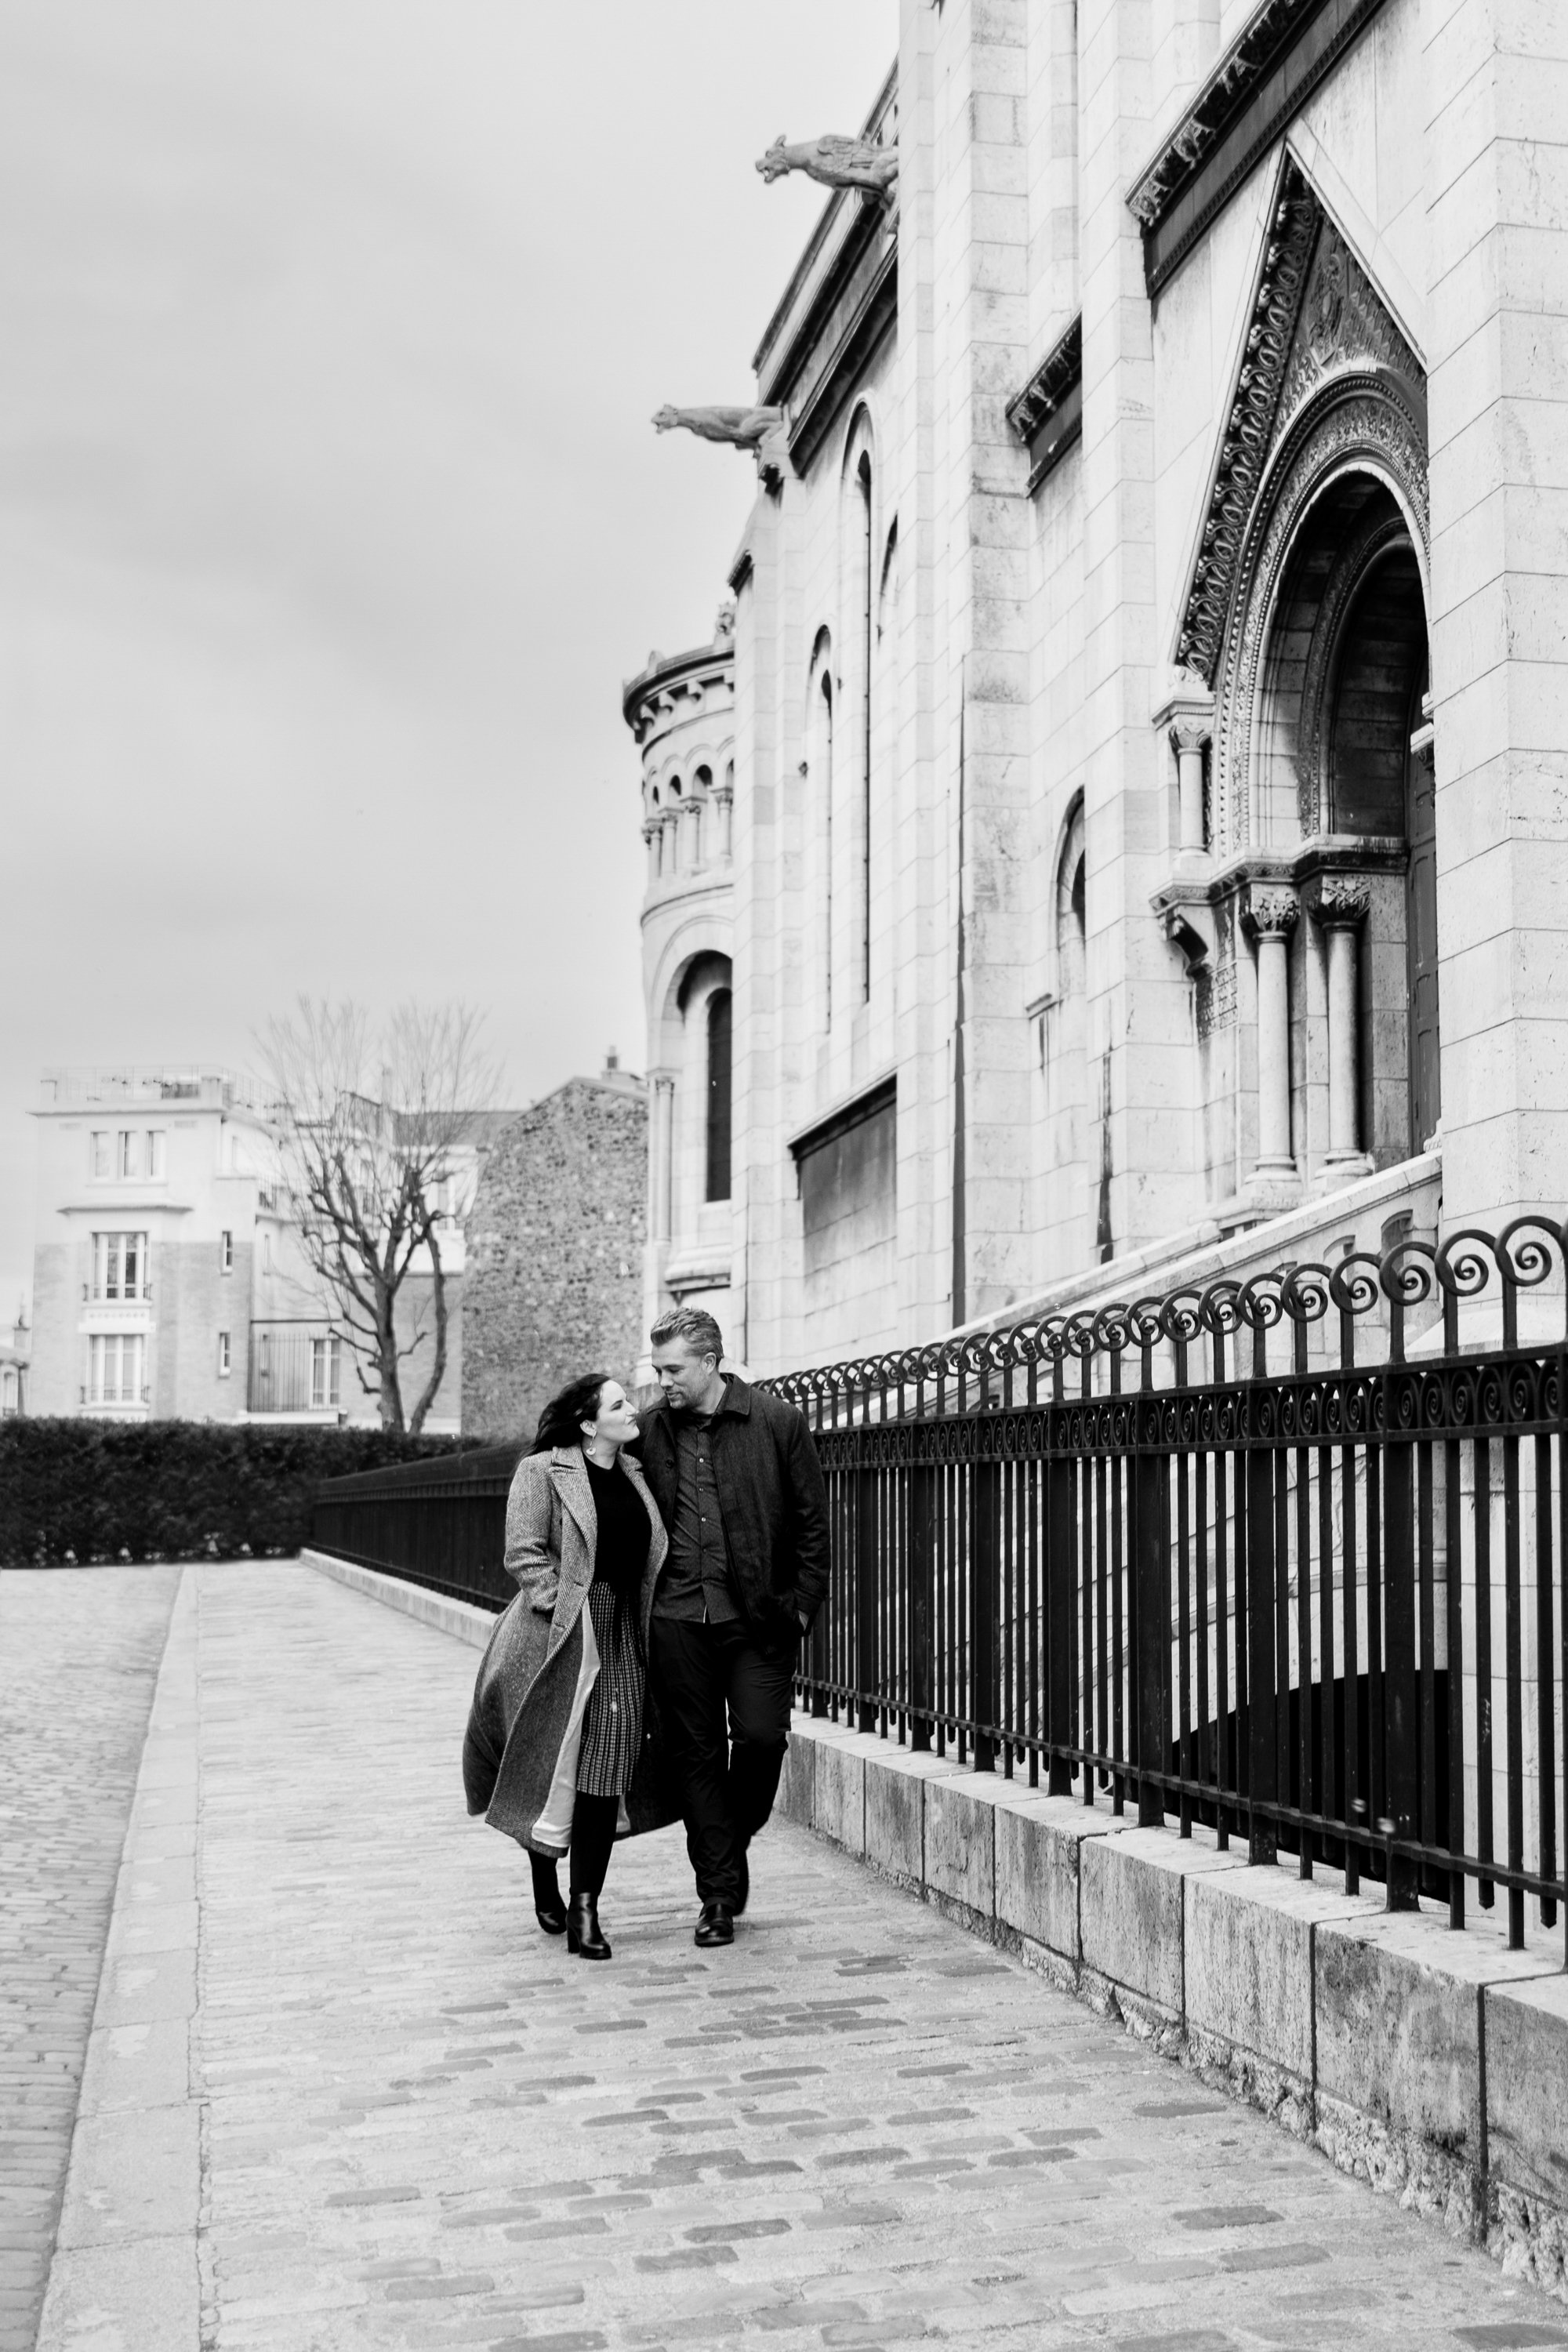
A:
x: 169, y: 1281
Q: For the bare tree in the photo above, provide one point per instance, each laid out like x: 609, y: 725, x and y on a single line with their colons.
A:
x: 372, y: 1119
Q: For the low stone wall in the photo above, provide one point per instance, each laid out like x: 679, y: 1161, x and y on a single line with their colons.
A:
x: 1432, y: 2064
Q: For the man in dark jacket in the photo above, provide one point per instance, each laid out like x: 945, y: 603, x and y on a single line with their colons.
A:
x: 739, y: 1486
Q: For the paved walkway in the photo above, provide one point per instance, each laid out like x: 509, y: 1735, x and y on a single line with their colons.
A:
x: 403, y: 2117
x: 79, y: 1653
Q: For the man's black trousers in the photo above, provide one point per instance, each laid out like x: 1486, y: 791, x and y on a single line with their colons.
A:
x: 728, y: 1768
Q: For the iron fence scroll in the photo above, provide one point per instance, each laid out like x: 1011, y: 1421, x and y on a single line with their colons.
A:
x: 1285, y: 1555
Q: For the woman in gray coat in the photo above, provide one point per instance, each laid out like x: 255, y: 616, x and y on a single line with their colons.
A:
x: 557, y: 1753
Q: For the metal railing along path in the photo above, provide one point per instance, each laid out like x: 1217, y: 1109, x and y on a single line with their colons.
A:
x: 1285, y: 1556
x: 440, y: 1523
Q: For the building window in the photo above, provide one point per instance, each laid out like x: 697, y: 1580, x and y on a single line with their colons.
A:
x: 719, y: 1060
x: 326, y: 1373
x: 225, y: 1252
x: 10, y: 1390
x: 97, y: 1151
x: 116, y: 1367
x: 120, y: 1265
x: 128, y: 1153
x: 224, y: 1366
x: 157, y: 1142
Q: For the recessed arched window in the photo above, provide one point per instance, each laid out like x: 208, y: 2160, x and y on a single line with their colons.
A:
x: 719, y: 1094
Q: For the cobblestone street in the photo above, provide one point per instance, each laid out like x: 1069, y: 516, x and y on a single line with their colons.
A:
x: 80, y: 1653
x: 407, y: 2118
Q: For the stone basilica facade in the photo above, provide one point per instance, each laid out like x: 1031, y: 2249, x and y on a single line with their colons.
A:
x: 1131, y: 816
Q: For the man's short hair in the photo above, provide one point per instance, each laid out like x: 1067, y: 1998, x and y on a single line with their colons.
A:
x: 692, y: 1324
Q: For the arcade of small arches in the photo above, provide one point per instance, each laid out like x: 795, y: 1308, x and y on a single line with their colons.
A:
x: 688, y: 820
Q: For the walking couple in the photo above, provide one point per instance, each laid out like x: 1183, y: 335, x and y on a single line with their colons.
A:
x: 644, y: 1672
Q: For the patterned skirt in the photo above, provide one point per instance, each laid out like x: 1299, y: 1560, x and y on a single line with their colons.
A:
x: 611, y: 1726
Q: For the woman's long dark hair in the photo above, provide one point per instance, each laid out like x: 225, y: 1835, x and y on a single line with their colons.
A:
x: 560, y: 1423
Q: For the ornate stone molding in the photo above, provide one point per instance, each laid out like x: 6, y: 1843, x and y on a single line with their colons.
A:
x: 1047, y: 414
x: 1352, y: 420
x: 1315, y: 317
x: 1325, y: 381
x: 1261, y: 83
x: 1042, y: 397
x: 1249, y: 427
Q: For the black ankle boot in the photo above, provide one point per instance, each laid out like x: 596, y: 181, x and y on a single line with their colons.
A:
x: 548, y: 1908
x: 583, y: 1934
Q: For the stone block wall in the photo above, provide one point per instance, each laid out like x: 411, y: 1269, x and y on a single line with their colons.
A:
x: 553, y: 1278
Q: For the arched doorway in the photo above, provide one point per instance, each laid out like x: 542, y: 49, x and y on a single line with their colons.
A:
x: 1335, y: 783
x: 1311, y: 938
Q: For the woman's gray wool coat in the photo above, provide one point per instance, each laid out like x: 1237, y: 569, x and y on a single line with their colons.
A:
x: 528, y: 1676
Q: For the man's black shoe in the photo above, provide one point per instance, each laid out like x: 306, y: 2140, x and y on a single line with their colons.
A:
x: 743, y: 1873
x: 716, y: 1924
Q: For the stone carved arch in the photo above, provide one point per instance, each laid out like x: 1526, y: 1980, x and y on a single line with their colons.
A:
x: 1326, y: 385
x: 1360, y: 423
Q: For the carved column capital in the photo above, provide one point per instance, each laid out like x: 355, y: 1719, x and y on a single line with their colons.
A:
x: 1338, y: 900
x: 1191, y: 732
x: 1271, y: 911
x: 1184, y: 705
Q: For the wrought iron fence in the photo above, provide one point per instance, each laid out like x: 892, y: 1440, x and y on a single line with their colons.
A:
x: 1283, y: 1555
x: 440, y: 1523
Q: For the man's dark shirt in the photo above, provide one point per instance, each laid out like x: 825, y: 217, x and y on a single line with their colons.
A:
x: 696, y: 1584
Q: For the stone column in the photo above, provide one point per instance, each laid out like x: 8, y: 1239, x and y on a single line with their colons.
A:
x: 1271, y: 918
x: 691, y: 827
x: 652, y: 832
x: 1339, y: 906
x: 661, y: 1146
x: 725, y: 810
x: 1190, y: 737
x: 670, y: 853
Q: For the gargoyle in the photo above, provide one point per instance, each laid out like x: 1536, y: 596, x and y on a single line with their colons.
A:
x: 744, y: 428
x: 837, y: 162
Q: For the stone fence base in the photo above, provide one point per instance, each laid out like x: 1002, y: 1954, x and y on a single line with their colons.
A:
x: 1432, y: 2064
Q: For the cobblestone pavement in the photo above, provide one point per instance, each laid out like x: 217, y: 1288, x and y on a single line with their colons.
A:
x: 421, y: 2125
x: 79, y: 1652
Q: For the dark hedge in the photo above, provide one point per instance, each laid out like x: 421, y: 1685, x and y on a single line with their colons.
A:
x: 93, y: 1490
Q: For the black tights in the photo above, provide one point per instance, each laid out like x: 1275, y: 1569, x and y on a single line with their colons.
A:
x: 592, y: 1836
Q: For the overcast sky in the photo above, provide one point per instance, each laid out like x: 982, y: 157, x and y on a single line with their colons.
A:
x: 331, y: 516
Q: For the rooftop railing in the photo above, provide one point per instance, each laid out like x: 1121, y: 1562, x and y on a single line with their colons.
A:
x: 139, y: 1085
